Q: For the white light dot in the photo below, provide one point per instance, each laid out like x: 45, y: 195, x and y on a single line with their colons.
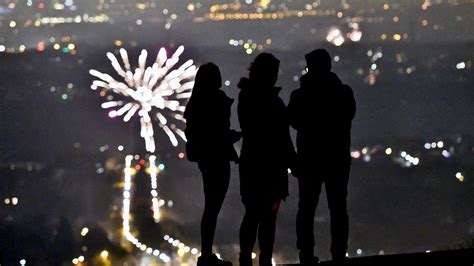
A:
x: 416, y: 161
x: 461, y: 65
x: 446, y: 154
x: 14, y: 200
x: 440, y: 144
x: 120, y: 148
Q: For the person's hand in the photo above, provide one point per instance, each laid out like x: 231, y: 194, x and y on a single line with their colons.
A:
x: 295, y: 172
x: 295, y: 168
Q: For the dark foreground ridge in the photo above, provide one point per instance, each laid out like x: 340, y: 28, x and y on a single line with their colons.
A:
x: 452, y: 257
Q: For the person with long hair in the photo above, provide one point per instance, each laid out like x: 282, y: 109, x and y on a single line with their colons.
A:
x: 210, y: 144
x: 267, y: 153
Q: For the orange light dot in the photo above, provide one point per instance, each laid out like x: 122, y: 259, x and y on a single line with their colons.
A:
x: 40, y: 47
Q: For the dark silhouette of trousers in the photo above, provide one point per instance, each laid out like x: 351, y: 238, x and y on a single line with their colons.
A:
x: 215, y: 177
x: 260, y: 218
x: 335, y: 180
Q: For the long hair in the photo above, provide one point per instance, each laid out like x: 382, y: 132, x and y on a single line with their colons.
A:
x: 208, y: 79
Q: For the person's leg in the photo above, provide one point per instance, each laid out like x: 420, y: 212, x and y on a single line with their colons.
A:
x: 336, y: 190
x: 309, y: 190
x: 248, y: 233
x: 216, y: 176
x: 266, y: 231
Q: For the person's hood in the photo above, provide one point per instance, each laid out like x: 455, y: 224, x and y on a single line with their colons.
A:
x: 327, y: 79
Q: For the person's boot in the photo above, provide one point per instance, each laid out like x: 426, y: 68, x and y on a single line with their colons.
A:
x: 339, y: 259
x: 265, y: 259
x: 245, y: 260
x: 212, y: 260
x: 307, y: 258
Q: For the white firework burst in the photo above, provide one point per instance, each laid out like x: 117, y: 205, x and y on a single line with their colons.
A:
x: 160, y: 87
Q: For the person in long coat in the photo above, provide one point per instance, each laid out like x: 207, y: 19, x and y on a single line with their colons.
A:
x: 267, y: 152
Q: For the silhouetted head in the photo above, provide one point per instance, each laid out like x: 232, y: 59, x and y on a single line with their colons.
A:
x: 318, y: 61
x: 208, y: 78
x: 264, y: 69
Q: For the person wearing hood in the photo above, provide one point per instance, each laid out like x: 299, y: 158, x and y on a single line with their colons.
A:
x: 267, y: 153
x: 321, y: 111
x: 210, y: 144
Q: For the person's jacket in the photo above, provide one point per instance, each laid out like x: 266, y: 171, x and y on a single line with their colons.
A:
x: 208, y: 132
x: 321, y: 111
x: 267, y: 148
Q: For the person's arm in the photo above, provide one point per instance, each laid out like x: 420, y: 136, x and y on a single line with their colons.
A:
x: 351, y: 103
x: 248, y: 115
x: 241, y: 115
x: 294, y: 111
x: 290, y: 148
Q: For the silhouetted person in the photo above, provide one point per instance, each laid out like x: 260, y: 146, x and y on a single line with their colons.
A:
x: 266, y: 153
x: 321, y: 111
x: 210, y: 144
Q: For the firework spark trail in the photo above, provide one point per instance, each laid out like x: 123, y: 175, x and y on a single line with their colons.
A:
x: 160, y: 86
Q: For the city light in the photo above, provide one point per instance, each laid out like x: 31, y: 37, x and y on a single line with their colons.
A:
x: 335, y: 37
x: 154, y: 188
x: 104, y: 254
x: 84, y: 231
x: 126, y: 226
x: 460, y: 176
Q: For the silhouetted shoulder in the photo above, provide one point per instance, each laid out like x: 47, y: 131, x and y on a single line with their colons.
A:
x: 349, y: 100
x: 224, y: 98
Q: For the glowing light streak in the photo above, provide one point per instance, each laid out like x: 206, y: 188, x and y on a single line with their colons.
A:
x: 182, y: 248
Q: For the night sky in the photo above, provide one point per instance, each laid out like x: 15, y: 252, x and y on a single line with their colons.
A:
x: 409, y: 64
